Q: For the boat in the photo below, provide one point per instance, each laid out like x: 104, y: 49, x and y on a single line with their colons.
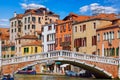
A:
x: 27, y: 70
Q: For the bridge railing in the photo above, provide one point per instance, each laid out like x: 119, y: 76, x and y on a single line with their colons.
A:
x: 61, y: 54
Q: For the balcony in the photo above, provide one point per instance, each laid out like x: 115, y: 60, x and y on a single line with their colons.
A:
x: 66, y: 43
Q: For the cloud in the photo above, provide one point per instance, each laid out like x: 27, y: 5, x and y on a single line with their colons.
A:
x: 4, y: 25
x: 31, y: 6
x: 97, y: 7
x: 84, y: 9
x: 4, y: 20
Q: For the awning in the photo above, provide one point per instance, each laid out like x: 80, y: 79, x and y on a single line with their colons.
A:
x: 64, y: 65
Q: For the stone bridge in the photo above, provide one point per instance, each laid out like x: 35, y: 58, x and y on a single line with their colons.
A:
x: 101, y: 67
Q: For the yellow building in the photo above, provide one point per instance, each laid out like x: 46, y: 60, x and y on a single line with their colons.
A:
x: 32, y: 47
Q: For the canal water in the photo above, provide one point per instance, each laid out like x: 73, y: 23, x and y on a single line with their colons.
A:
x: 50, y: 77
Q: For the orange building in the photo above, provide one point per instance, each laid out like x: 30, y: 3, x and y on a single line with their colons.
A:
x: 108, y: 39
x: 8, y: 48
x: 64, y: 31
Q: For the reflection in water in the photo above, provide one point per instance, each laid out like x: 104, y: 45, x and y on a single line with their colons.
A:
x: 48, y: 77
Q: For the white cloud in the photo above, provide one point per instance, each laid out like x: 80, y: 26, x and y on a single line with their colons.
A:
x: 4, y: 20
x: 31, y: 6
x: 98, y: 7
x: 84, y: 9
x: 4, y: 25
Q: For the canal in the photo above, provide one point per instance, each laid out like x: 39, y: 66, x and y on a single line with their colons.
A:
x: 50, y: 77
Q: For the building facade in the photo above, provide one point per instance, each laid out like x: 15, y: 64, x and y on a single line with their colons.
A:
x: 28, y: 24
x: 84, y: 35
x: 48, y: 37
x: 108, y: 39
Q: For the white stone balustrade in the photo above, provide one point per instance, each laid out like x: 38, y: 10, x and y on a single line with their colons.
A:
x: 64, y: 54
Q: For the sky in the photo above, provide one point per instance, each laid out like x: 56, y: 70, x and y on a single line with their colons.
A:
x: 60, y: 7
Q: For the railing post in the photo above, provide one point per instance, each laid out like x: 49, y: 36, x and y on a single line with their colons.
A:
x: 61, y: 53
x: 73, y: 55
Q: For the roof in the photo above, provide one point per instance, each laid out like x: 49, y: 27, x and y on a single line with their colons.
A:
x: 28, y: 37
x: 18, y: 16
x: 105, y: 16
x: 109, y: 26
x: 33, y: 43
x: 40, y: 11
x: 4, y: 33
x: 73, y: 15
x: 8, y: 45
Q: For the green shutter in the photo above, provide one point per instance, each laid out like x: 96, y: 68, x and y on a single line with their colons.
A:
x: 117, y: 51
x: 13, y: 48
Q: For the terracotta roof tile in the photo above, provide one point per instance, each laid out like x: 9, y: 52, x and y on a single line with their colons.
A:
x: 8, y: 45
x: 28, y: 37
x: 105, y: 16
x: 4, y: 33
x: 109, y: 26
x: 33, y: 43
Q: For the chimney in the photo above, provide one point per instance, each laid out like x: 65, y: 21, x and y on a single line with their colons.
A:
x: 15, y: 14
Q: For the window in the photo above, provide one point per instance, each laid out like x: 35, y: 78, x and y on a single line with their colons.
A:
x: 49, y: 27
x: 42, y: 29
x: 19, y: 29
x: 12, y: 24
x: 118, y: 34
x: 12, y: 55
x: 15, y: 29
x: 12, y: 48
x: 33, y: 19
x: 28, y: 19
x: 117, y: 51
x: 98, y: 51
x: 33, y: 26
x: 46, y: 22
x: 28, y: 26
x: 26, y: 50
x: 84, y: 27
x: 112, y: 35
x: 69, y: 26
x: 75, y: 28
x: 104, y: 36
x: 19, y: 41
x: 25, y: 27
x: 25, y: 20
x: 80, y: 28
x: 3, y: 42
x: 98, y: 37
x: 94, y: 42
x: 35, y: 49
x: 12, y: 30
x: 47, y: 37
x: 94, y: 25
x: 50, y: 20
x: 107, y: 36
x: 39, y: 20
x: 60, y: 41
x: 61, y: 28
x: 15, y: 23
